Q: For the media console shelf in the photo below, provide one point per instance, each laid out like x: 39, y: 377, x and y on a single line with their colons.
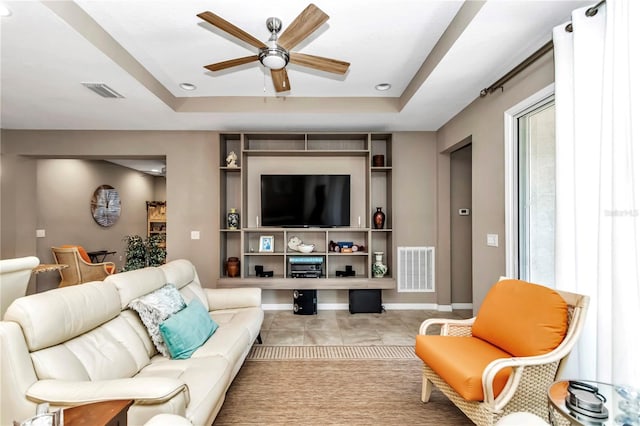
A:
x: 306, y: 153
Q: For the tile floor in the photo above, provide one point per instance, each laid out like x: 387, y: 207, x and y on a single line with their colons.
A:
x: 328, y: 328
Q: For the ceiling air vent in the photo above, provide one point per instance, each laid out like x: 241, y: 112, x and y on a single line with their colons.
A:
x: 102, y: 90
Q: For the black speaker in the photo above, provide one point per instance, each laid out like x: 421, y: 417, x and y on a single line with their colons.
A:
x: 367, y: 301
x: 305, y: 302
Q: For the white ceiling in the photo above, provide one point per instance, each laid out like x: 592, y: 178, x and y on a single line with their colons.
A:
x: 144, y: 49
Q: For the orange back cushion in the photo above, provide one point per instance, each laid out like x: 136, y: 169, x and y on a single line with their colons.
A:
x: 81, y: 250
x: 521, y: 318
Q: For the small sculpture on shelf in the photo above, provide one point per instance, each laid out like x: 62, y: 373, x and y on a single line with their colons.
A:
x: 231, y: 159
x: 378, y: 218
x: 378, y: 269
x: 233, y: 219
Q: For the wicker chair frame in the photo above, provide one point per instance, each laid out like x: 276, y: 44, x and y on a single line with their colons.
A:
x: 526, y: 389
x: 79, y: 271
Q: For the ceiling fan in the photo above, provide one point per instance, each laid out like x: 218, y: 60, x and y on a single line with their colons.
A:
x: 276, y: 53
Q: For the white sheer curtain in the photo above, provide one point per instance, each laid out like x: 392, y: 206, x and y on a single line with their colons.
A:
x: 598, y: 185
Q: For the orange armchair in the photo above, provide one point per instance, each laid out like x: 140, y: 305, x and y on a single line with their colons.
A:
x: 503, y: 360
x: 80, y: 269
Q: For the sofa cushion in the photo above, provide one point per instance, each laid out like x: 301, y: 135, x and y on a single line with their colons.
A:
x: 207, y: 380
x: 134, y: 284
x: 521, y: 318
x: 460, y: 361
x: 186, y: 330
x: 183, y: 274
x: 58, y: 315
x: 156, y: 307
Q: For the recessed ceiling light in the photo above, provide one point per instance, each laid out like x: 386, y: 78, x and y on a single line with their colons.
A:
x: 4, y: 10
x: 383, y: 86
x: 188, y: 86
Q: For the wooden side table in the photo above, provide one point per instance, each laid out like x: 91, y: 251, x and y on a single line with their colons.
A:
x: 104, y: 413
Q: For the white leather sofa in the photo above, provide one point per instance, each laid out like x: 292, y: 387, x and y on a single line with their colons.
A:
x: 14, y: 279
x: 82, y: 344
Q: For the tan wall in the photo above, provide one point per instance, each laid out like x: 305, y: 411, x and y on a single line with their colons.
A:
x: 64, y: 191
x: 192, y: 179
x: 483, y: 120
x: 192, y: 194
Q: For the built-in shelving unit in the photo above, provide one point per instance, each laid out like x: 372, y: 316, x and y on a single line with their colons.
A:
x: 293, y: 153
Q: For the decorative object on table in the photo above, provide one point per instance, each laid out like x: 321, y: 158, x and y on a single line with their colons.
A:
x: 266, y: 244
x: 233, y: 267
x: 231, y: 160
x: 105, y: 205
x: 378, y: 218
x: 141, y: 253
x: 378, y: 161
x: 296, y: 244
x: 293, y: 243
x: 233, y: 219
x: 378, y: 268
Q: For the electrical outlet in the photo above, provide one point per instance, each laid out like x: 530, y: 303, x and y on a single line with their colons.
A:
x: 195, y: 235
x: 40, y: 233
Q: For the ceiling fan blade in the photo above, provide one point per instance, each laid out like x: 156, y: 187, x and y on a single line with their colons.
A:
x: 320, y: 63
x: 309, y: 20
x: 228, y: 27
x: 231, y: 63
x: 280, y: 80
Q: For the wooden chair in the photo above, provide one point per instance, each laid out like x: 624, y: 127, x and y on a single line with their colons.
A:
x: 79, y: 270
x: 525, y: 378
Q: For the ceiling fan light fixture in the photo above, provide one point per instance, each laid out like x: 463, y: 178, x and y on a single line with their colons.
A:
x: 274, y: 58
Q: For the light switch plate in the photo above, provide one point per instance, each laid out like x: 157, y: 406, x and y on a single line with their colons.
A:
x: 492, y: 240
x: 195, y: 235
x: 41, y: 233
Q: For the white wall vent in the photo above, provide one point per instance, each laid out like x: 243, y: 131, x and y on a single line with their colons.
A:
x: 416, y: 269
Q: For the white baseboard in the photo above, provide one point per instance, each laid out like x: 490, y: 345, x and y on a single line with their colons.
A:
x: 462, y: 305
x: 387, y: 306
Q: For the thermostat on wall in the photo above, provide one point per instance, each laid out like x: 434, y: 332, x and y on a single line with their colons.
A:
x: 463, y: 212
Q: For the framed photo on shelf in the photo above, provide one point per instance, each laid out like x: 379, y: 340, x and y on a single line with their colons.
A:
x: 266, y: 244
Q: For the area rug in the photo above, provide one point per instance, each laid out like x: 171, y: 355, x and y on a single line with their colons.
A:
x: 335, y: 392
x: 270, y: 353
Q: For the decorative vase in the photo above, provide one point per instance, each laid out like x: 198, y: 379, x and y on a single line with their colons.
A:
x: 378, y: 161
x: 378, y: 268
x: 378, y: 218
x: 233, y: 267
x: 233, y: 219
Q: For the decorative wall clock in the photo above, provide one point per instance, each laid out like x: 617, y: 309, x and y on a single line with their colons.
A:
x: 105, y: 205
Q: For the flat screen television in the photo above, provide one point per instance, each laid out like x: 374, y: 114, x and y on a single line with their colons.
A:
x: 305, y: 200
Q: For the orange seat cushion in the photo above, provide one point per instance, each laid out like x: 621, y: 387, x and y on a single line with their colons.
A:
x: 521, y: 318
x: 460, y: 361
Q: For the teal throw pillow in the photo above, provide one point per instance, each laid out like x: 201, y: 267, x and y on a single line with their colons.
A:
x: 185, y: 331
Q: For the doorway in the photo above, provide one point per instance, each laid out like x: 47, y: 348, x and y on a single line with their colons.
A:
x: 461, y: 227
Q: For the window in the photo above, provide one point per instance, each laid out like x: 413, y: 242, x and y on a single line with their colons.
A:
x: 530, y: 188
x: 536, y: 194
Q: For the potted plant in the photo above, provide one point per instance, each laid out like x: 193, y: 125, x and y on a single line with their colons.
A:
x: 141, y: 253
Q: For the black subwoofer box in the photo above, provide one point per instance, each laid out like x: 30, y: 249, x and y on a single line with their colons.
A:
x: 305, y: 302
x: 367, y: 301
